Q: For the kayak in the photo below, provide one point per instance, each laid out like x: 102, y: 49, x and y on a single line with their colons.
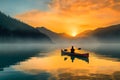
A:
x: 74, y: 54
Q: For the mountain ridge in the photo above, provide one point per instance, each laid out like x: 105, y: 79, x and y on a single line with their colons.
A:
x: 56, y: 37
x: 104, y: 34
x: 14, y: 30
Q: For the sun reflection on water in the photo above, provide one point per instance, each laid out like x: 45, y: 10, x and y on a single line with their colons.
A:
x: 54, y: 63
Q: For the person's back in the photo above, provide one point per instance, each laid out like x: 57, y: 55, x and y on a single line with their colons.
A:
x: 72, y: 50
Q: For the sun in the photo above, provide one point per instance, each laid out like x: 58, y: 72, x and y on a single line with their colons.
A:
x: 74, y: 34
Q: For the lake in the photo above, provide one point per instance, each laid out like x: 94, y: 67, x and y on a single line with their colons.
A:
x: 45, y: 62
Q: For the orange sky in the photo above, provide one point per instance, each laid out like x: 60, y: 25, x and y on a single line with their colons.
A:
x: 74, y: 16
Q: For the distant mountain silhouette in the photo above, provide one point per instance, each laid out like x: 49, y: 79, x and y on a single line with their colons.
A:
x: 56, y: 37
x: 84, y: 33
x: 106, y: 34
x: 14, y: 30
x: 65, y: 35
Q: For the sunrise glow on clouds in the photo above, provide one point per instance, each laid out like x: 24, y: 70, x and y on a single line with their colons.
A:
x: 74, y: 16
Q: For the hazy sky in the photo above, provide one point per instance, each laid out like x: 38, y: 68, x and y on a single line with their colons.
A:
x: 14, y: 7
x: 70, y: 16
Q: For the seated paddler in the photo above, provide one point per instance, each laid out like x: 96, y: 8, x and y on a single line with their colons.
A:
x: 72, y: 49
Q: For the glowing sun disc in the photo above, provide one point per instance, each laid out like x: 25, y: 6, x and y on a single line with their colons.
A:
x: 74, y: 34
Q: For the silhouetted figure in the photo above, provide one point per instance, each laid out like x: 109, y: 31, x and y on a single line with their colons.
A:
x: 72, y: 50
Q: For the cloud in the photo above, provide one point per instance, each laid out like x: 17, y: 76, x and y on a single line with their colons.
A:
x: 81, y: 5
x: 68, y: 15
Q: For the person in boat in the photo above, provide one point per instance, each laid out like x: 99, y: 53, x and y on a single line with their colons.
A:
x: 72, y: 49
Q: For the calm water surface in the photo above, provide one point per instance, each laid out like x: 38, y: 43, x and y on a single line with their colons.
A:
x: 34, y: 62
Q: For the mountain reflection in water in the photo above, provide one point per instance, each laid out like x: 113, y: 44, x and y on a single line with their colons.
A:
x: 43, y: 63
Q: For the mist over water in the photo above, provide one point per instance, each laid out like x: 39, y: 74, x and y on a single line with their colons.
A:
x: 36, y: 61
